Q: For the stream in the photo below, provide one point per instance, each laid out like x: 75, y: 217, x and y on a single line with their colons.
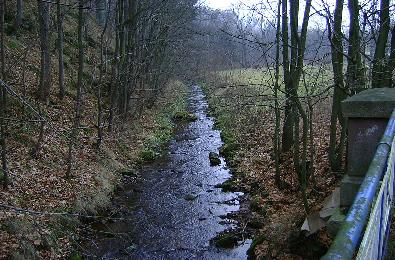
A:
x: 175, y: 209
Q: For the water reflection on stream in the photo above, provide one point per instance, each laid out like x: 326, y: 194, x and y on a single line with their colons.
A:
x: 175, y: 210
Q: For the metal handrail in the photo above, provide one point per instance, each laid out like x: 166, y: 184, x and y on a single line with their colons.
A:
x: 350, y: 234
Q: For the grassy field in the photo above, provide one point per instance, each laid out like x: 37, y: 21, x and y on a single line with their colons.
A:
x: 314, y: 78
x: 242, y: 103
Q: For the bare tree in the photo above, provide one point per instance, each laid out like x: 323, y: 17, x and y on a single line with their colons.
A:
x: 355, y: 75
x: 100, y: 125
x: 19, y: 14
x: 292, y: 73
x: 287, y: 137
x: 114, y: 72
x: 60, y: 18
x: 3, y: 108
x: 277, y: 111
x: 336, y: 148
x: 45, y: 73
x: 78, y: 104
x: 379, y: 63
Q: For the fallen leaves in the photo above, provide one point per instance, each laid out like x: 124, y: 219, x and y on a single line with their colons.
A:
x: 254, y: 130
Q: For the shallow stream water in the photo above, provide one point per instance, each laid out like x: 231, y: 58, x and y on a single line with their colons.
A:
x: 175, y: 209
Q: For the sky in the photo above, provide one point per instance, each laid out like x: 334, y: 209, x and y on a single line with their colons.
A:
x: 314, y: 21
x: 221, y: 4
x: 227, y: 4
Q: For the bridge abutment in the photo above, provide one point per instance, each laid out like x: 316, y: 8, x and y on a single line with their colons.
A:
x: 367, y: 114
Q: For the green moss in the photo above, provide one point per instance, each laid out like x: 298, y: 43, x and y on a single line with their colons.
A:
x: 128, y: 172
x: 76, y: 256
x: 156, y: 144
x: 256, y: 205
x: 14, y: 45
x: 184, y: 116
x: 191, y: 197
x: 214, y: 159
x: 148, y: 155
x: 229, y: 150
x: 255, y: 223
x: 255, y: 242
x: 228, y: 137
x: 226, y: 240
x: 89, y: 131
x: 228, y: 186
x: 122, y: 147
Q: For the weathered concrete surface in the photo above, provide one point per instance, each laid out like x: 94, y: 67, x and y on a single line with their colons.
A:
x: 363, y: 136
x: 368, y: 113
x: 348, y: 189
x: 371, y: 103
x: 335, y: 222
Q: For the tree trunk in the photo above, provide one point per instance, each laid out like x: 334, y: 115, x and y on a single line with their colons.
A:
x: 60, y: 17
x: 391, y: 61
x: 287, y: 136
x: 276, y: 139
x: 336, y: 148
x: 355, y: 76
x: 122, y: 63
x: 294, y: 72
x: 114, y: 83
x: 99, y: 85
x: 379, y: 64
x: 3, y: 107
x: 45, y: 73
x: 78, y: 104
x: 19, y: 14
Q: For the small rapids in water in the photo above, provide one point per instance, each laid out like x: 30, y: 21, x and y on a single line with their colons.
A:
x: 175, y: 209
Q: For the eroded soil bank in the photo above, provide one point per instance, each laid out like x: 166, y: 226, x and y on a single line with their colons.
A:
x: 175, y: 209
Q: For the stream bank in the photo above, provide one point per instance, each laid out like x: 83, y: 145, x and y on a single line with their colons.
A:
x: 176, y: 208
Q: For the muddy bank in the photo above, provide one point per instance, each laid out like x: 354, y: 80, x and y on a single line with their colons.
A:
x: 176, y: 208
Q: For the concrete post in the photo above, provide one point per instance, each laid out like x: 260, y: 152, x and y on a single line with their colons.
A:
x: 367, y: 113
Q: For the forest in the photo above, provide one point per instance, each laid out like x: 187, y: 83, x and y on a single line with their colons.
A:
x: 168, y: 129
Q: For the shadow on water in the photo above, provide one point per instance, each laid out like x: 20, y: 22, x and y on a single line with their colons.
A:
x: 174, y: 210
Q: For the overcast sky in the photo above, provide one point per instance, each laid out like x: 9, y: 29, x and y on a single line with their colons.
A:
x: 314, y: 21
x: 227, y: 4
x: 221, y: 4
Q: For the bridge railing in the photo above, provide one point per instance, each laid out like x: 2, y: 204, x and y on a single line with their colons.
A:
x: 372, y: 206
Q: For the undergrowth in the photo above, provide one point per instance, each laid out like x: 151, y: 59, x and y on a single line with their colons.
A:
x: 166, y: 120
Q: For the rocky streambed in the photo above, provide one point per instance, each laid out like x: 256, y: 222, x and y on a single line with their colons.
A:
x: 176, y: 209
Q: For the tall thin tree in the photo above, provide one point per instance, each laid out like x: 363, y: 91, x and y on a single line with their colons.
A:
x: 379, y: 61
x: 336, y: 145
x: 45, y: 73
x: 60, y: 18
x: 355, y: 75
x: 78, y: 103
x: 19, y: 14
x: 3, y: 107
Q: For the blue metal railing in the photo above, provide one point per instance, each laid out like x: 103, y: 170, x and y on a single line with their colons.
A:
x: 351, y: 232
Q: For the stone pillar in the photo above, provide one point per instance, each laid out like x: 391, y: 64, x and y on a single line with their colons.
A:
x: 367, y: 113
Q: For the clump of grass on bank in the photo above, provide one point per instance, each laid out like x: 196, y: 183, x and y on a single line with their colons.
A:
x: 225, y: 121
x: 166, y: 120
